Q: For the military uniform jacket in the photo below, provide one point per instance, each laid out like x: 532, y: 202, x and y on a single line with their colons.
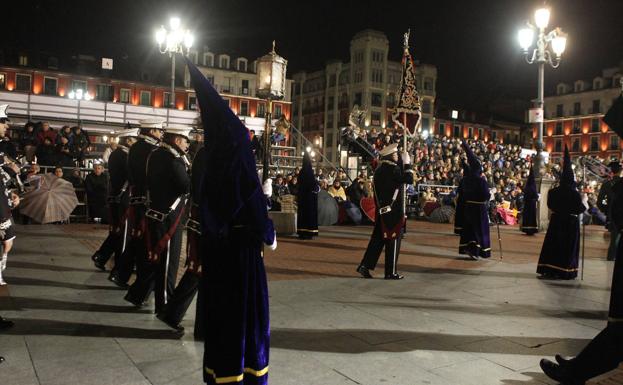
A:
x: 606, y: 196
x: 118, y: 171
x: 388, y: 181
x: 137, y: 162
x: 167, y: 178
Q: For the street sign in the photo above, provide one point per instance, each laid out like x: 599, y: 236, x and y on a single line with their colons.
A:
x: 535, y: 115
x: 106, y: 63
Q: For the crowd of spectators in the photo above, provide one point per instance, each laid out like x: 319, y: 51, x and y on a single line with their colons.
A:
x: 42, y: 144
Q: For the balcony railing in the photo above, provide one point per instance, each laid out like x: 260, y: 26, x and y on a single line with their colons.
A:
x: 39, y: 107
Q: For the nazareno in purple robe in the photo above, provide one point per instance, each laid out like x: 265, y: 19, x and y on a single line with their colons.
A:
x: 235, y: 225
x: 560, y: 251
x: 475, y: 239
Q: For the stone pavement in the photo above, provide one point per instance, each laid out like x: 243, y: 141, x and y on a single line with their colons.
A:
x: 450, y: 321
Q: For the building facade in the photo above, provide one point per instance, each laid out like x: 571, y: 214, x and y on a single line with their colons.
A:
x: 470, y: 125
x: 48, y: 92
x: 573, y: 116
x: 322, y: 100
x: 235, y: 80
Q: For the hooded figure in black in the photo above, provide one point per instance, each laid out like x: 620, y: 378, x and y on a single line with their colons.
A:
x: 475, y: 239
x: 307, y: 201
x: 605, y: 352
x: 529, y: 224
x: 234, y: 227
x: 460, y: 202
x: 560, y: 252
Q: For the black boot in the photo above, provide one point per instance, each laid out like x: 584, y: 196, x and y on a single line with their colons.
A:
x: 394, y: 276
x: 5, y: 324
x: 97, y: 261
x: 114, y: 278
x: 365, y: 273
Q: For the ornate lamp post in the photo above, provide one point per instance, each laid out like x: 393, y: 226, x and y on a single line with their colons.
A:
x: 271, y: 83
x: 549, y: 49
x: 172, y: 41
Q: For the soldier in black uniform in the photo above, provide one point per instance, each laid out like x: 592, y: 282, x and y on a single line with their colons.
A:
x: 8, y: 199
x: 184, y: 293
x: 118, y: 202
x: 135, y: 251
x: 390, y: 214
x: 168, y: 186
x: 604, y: 203
x: 6, y: 145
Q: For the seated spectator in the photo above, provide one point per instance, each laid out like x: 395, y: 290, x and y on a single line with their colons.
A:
x: 58, y: 171
x: 81, y: 143
x: 337, y: 191
x: 357, y: 191
x: 64, y: 156
x: 46, y: 132
x: 293, y: 185
x: 96, y: 186
x: 28, y: 141
x: 66, y: 132
x: 46, y: 153
x: 75, y: 178
x: 279, y: 187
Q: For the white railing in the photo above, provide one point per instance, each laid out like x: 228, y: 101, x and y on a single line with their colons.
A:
x: 41, y: 107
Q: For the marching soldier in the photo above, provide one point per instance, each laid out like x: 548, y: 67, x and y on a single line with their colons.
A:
x: 168, y: 185
x: 390, y: 215
x: 135, y: 252
x: 182, y: 297
x: 118, y: 202
x: 8, y: 199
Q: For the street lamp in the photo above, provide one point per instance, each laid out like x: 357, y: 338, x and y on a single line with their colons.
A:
x: 271, y: 83
x: 549, y: 49
x: 174, y: 40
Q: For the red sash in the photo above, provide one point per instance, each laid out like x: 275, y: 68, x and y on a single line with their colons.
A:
x: 154, y: 250
x: 389, y: 234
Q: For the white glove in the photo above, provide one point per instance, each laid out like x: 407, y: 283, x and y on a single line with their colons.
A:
x: 273, y: 247
x: 267, y: 187
x: 406, y: 159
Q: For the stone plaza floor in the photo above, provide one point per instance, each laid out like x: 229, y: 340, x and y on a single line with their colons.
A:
x: 450, y: 321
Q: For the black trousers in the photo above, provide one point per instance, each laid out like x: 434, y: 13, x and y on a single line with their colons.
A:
x: 375, y: 247
x: 134, y: 249
x: 114, y: 242
x: 180, y: 300
x: 159, y: 277
x: 602, y: 354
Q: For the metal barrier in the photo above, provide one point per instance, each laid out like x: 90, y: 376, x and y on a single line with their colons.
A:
x: 447, y: 188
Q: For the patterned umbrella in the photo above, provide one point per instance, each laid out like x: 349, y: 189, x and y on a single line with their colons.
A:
x: 442, y: 214
x: 53, y: 201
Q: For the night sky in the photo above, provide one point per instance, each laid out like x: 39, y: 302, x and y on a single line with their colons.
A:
x: 472, y: 43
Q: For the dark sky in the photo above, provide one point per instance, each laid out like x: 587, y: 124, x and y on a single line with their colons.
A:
x: 472, y: 43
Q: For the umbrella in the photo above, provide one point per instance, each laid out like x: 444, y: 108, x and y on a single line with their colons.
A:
x: 442, y: 214
x: 327, y: 209
x: 53, y: 201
